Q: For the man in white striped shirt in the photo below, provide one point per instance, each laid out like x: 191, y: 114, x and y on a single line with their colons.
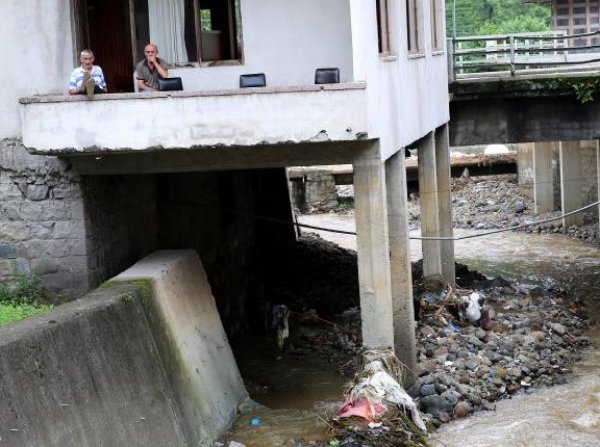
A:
x: 88, y: 78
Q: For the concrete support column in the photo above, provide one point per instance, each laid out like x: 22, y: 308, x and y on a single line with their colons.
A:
x: 373, y: 249
x: 598, y: 177
x: 430, y: 223
x: 543, y: 188
x: 570, y: 181
x: 405, y: 345
x: 444, y: 198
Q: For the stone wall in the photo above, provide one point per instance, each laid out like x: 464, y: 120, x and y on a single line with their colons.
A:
x: 42, y: 228
x: 121, y: 222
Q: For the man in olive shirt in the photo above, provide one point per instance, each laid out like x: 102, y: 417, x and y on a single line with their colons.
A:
x: 150, y: 70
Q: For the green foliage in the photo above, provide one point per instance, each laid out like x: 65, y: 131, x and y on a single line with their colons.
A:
x: 526, y: 24
x: 13, y: 312
x: 481, y: 17
x: 23, y: 290
x: 584, y: 88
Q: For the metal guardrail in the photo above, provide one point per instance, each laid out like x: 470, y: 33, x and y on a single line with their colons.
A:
x: 527, y: 55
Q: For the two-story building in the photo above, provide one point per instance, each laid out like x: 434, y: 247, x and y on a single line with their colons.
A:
x: 90, y: 186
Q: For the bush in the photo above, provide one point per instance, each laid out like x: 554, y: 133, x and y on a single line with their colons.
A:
x: 22, y: 298
x: 24, y: 289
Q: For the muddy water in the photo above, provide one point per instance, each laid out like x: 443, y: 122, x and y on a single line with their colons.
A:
x: 560, y: 416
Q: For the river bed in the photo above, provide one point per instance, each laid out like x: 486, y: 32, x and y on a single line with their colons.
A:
x: 557, y: 416
x: 563, y: 415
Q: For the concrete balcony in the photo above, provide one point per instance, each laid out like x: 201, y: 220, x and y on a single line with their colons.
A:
x: 125, y: 123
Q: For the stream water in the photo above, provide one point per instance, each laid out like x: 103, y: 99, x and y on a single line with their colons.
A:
x: 559, y: 416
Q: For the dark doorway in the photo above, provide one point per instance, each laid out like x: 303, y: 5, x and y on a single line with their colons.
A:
x: 104, y: 27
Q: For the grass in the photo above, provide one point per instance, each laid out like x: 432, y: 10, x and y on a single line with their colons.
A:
x: 10, y: 312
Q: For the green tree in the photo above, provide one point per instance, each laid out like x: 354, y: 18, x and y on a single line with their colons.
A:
x: 479, y: 17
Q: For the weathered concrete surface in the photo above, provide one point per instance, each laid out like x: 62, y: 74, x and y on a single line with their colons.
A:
x: 134, y: 363
x: 518, y: 112
x: 239, y: 117
x: 196, y: 355
x: 86, y: 374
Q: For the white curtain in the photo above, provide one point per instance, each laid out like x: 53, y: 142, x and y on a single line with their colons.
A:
x: 167, y: 22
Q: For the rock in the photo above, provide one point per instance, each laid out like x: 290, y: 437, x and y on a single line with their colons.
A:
x: 462, y: 409
x: 428, y: 390
x: 451, y: 396
x: 435, y: 405
x: 558, y: 328
x: 519, y: 207
x: 514, y: 372
x: 426, y: 367
x: 501, y: 373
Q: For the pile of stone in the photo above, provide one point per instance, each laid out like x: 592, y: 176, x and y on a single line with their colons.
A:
x: 529, y: 339
x: 485, y: 203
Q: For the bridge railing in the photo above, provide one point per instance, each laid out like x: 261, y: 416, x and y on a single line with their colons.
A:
x: 523, y: 55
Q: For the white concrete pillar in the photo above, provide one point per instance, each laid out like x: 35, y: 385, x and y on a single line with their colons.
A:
x: 570, y: 181
x: 428, y: 193
x: 543, y: 187
x: 442, y: 160
x: 372, y: 243
x: 598, y: 177
x: 405, y: 344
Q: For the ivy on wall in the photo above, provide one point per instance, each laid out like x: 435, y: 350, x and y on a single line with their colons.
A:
x: 584, y: 88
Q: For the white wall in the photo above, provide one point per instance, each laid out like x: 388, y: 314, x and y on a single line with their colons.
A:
x: 37, y: 54
x: 287, y: 40
x: 407, y: 95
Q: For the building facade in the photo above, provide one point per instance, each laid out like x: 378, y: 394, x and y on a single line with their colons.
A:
x: 90, y: 186
x: 575, y: 17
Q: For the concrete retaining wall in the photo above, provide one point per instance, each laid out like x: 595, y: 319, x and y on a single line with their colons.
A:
x: 196, y: 355
x: 86, y: 374
x: 136, y: 363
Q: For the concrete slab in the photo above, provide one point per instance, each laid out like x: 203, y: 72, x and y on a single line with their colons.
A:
x: 192, y: 343
x: 86, y: 374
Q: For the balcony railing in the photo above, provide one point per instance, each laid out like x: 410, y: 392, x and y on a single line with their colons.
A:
x: 523, y: 55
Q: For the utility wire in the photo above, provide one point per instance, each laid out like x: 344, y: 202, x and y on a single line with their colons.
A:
x: 441, y: 238
x: 421, y: 238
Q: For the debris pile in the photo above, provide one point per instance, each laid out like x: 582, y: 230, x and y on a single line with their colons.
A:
x: 376, y: 410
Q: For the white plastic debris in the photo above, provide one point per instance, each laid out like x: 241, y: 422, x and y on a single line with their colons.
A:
x: 378, y: 388
x: 473, y: 308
